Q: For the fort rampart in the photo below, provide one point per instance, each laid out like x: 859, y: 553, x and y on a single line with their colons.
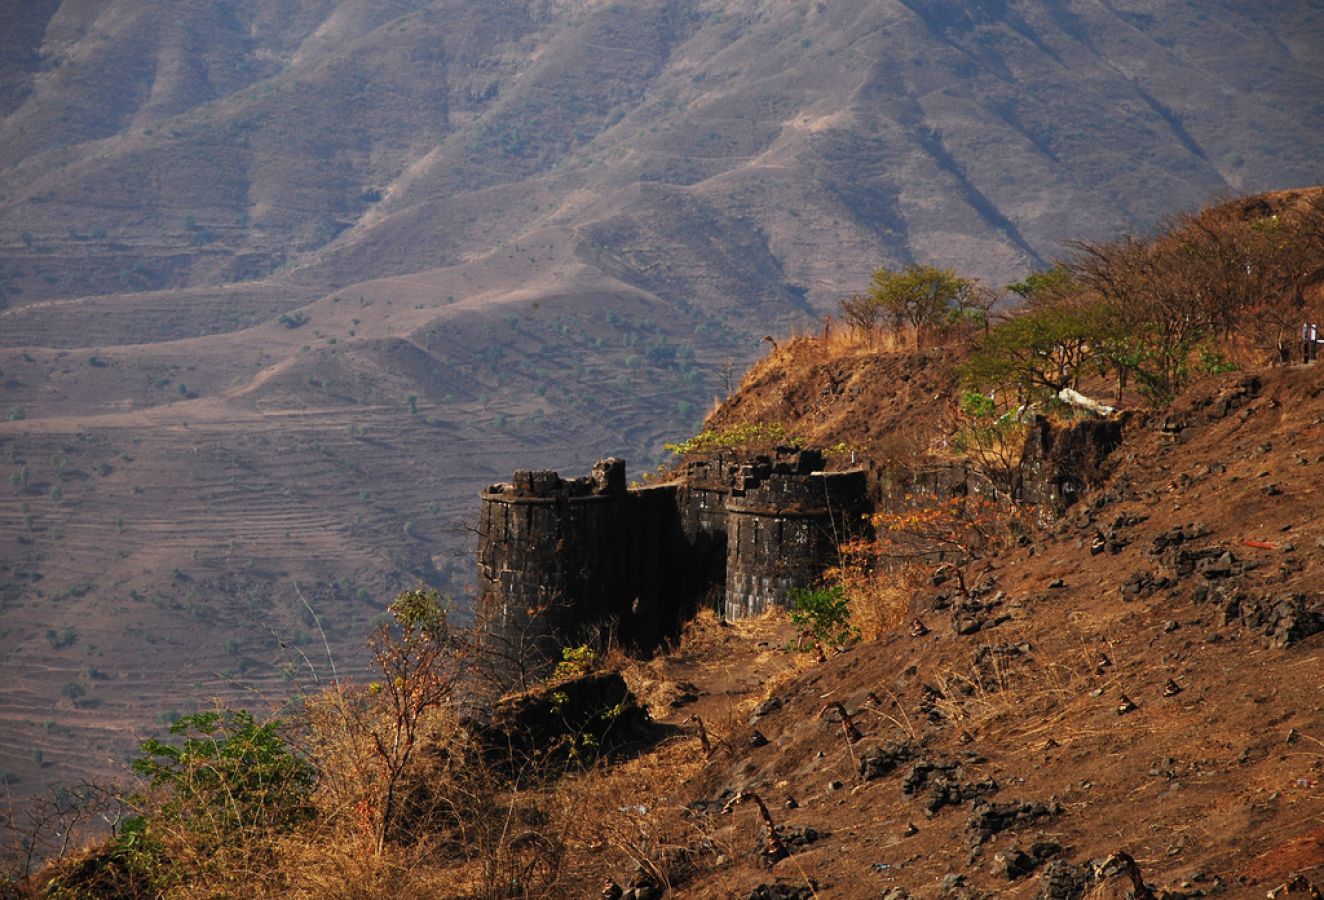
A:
x: 560, y: 559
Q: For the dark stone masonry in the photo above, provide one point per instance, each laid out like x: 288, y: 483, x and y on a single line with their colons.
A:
x: 568, y: 561
x: 559, y: 558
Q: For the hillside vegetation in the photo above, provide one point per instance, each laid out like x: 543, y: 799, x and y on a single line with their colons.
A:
x: 998, y: 702
x: 284, y: 284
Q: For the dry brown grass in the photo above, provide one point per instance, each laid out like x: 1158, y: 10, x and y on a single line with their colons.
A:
x: 879, y: 596
x: 833, y: 343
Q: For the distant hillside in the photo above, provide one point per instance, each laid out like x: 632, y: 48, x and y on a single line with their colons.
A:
x: 282, y: 285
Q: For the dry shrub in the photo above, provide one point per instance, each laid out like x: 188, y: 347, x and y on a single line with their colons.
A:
x: 624, y: 828
x: 1009, y: 677
x: 878, y: 596
x: 337, y: 866
x: 462, y: 818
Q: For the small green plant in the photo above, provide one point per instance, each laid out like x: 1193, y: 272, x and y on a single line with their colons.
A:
x: 824, y: 614
x: 746, y: 436
x: 1214, y: 361
x: 230, y: 779
x: 575, y: 661
x: 293, y: 319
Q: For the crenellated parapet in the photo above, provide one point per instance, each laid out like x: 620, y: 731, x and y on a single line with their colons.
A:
x: 557, y: 556
x: 561, y: 559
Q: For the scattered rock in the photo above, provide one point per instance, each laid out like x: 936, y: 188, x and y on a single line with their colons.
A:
x: 928, y: 704
x: 944, y: 784
x: 757, y: 739
x: 780, y: 890
x: 689, y: 693
x: 1143, y: 583
x: 952, y: 881
x: 878, y: 762
x: 1013, y: 863
x: 973, y: 614
x: 800, y: 837
x: 1175, y: 537
x: 1297, y: 884
x: 988, y: 819
x: 1061, y: 880
x: 1284, y: 621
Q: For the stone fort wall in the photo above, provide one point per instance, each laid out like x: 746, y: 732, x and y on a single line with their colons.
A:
x: 559, y: 558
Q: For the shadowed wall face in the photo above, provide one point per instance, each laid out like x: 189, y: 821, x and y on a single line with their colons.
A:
x: 783, y: 531
x: 563, y: 562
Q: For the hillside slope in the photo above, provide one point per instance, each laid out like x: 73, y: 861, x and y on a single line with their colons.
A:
x: 499, y: 235
x: 1201, y: 607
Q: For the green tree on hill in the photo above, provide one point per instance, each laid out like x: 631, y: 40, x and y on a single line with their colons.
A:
x: 919, y: 297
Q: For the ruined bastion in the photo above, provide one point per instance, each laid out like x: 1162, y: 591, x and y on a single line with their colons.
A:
x: 559, y: 559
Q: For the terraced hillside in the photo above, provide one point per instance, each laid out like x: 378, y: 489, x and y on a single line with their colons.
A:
x: 282, y: 286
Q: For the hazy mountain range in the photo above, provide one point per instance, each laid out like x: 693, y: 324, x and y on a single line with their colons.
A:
x: 283, y: 283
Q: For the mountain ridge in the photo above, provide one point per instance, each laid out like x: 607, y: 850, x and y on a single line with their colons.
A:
x: 576, y: 216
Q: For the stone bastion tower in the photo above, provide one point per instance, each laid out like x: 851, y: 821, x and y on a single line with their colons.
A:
x: 564, y: 561
x: 561, y: 561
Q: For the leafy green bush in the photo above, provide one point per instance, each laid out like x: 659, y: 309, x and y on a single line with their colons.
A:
x: 823, y: 613
x: 230, y: 774
x: 575, y: 661
x: 230, y: 782
x: 746, y: 437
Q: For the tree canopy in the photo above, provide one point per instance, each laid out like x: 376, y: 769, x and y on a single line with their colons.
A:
x: 916, y: 296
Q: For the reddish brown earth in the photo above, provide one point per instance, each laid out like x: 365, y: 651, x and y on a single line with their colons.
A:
x: 1219, y: 784
x: 550, y: 224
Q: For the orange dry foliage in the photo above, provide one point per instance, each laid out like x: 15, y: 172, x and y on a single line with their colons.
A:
x: 880, y: 573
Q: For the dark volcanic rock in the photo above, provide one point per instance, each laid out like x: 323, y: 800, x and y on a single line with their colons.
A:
x: 878, y: 762
x: 780, y: 890
x: 1014, y: 863
x: 1061, y: 880
x: 943, y: 784
x: 988, y: 819
x: 551, y: 719
x: 1283, y: 621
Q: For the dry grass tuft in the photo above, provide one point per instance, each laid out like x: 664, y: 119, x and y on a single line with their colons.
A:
x: 879, y: 596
